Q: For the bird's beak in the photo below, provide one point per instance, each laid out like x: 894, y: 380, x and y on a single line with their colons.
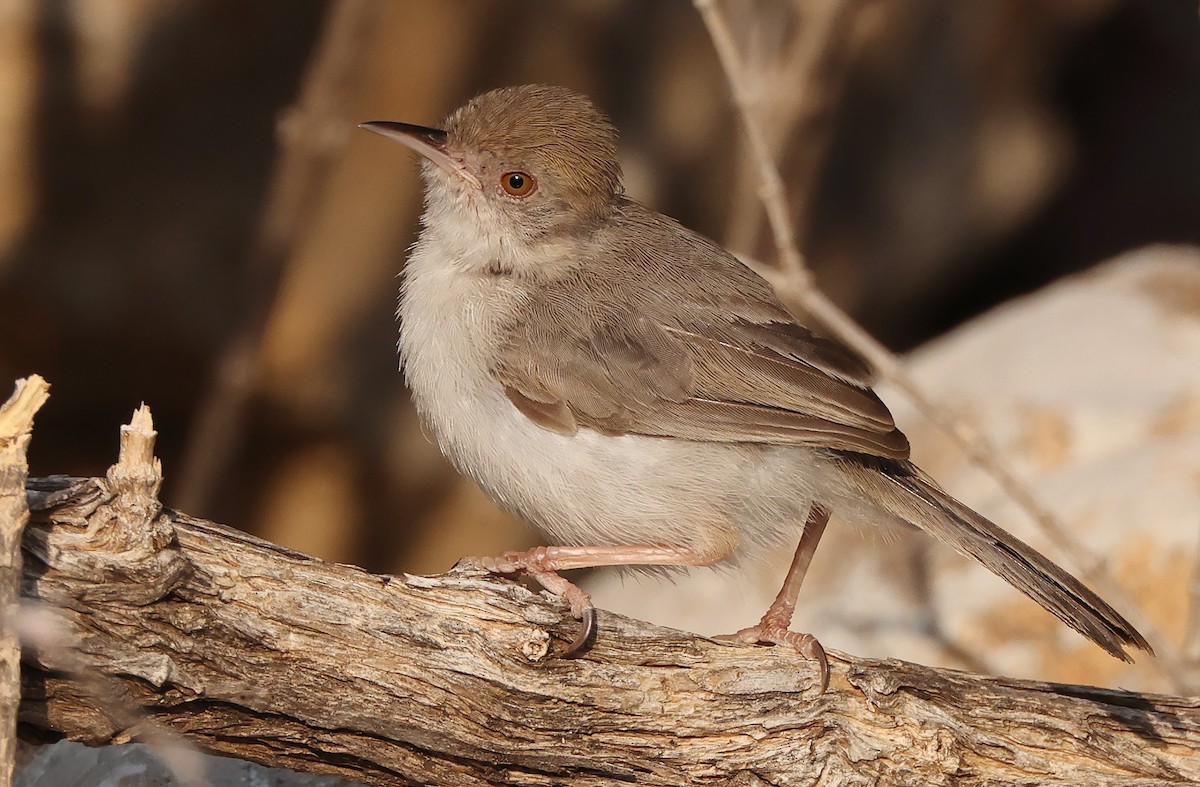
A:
x: 429, y: 142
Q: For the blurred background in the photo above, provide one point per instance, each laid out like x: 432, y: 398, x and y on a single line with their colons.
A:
x: 189, y: 217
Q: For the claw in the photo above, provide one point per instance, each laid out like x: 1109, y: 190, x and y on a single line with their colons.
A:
x: 532, y: 565
x: 804, y: 644
x: 585, y: 635
x: 812, y: 650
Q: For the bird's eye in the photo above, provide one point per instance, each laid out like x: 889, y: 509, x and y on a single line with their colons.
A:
x: 518, y: 184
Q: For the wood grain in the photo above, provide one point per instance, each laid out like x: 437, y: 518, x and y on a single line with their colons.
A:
x: 16, y: 429
x: 166, y: 624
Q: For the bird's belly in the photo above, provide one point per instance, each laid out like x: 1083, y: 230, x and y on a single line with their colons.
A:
x: 595, y: 489
x: 587, y: 488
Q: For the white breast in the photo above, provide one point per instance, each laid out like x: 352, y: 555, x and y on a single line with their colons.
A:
x: 586, y: 489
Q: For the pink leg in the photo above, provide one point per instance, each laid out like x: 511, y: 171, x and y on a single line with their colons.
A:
x: 774, y: 628
x: 542, y: 565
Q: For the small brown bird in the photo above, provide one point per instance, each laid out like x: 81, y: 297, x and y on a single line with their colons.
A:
x: 636, y: 393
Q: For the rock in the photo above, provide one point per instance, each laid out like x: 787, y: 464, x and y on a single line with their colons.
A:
x: 142, y: 765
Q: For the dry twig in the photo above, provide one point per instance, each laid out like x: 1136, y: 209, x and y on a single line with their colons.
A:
x: 794, y: 283
x: 310, y: 134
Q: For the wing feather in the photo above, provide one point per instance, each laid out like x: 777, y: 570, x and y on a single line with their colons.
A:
x: 700, y: 350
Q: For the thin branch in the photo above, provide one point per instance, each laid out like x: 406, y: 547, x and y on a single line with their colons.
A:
x: 798, y: 79
x: 310, y: 133
x: 794, y: 283
x: 772, y: 192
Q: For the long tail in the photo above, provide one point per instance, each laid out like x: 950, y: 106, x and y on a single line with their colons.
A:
x: 912, y: 496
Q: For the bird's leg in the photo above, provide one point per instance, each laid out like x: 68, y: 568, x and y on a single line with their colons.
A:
x: 774, y: 628
x: 542, y: 565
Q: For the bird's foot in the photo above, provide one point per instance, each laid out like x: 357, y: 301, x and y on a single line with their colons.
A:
x: 768, y: 633
x: 538, y: 566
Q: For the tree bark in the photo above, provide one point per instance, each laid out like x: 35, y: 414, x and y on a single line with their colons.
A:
x: 152, y: 624
x: 16, y: 428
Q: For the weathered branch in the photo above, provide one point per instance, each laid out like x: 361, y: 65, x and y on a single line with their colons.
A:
x: 161, y: 621
x: 16, y: 427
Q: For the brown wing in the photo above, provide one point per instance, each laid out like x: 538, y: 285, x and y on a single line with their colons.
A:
x: 701, y: 351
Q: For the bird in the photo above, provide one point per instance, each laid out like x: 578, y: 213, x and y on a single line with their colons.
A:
x: 639, y: 395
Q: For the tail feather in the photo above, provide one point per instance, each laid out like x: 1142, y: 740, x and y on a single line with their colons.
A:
x: 918, y: 500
